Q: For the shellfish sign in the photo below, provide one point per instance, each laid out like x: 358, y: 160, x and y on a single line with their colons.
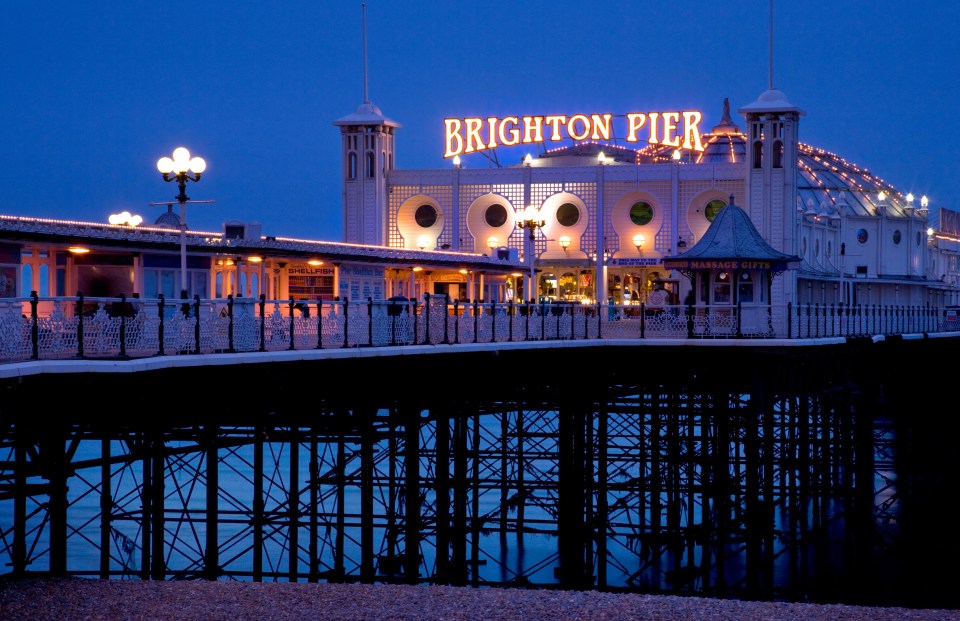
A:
x: 469, y: 135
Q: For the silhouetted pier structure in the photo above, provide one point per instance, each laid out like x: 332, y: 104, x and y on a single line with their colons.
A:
x: 722, y: 468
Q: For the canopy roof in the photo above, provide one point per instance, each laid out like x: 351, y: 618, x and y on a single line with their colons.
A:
x: 732, y: 242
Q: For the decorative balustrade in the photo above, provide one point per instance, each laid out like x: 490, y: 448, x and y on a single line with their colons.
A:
x: 93, y: 327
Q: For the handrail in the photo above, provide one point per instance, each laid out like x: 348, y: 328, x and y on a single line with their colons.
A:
x: 104, y: 327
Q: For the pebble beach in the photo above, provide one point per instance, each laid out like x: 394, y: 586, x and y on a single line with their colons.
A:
x: 79, y: 599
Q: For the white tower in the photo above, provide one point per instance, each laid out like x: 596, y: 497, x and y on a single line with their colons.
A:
x: 772, y: 123
x: 367, y: 152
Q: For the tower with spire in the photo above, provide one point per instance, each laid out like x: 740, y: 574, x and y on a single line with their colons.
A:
x: 771, y: 176
x: 367, y: 155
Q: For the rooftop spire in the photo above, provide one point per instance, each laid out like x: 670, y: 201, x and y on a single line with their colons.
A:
x: 363, y: 10
x: 771, y: 45
x: 726, y: 125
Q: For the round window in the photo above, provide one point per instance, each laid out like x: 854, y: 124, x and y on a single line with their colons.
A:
x: 495, y: 215
x: 896, y: 237
x: 568, y: 214
x: 862, y: 236
x: 641, y: 213
x: 713, y: 208
x: 426, y: 215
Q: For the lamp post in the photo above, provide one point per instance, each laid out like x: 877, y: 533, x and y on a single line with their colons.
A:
x: 530, y: 220
x: 178, y: 169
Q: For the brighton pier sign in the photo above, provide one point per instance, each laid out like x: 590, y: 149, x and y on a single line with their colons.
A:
x: 469, y: 135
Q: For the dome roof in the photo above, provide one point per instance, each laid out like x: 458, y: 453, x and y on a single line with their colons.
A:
x: 366, y: 113
x: 825, y: 181
x: 168, y: 219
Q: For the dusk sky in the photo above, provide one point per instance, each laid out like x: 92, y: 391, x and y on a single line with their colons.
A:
x: 95, y: 92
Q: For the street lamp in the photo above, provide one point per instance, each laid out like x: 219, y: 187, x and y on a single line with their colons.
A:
x: 178, y: 169
x: 530, y: 220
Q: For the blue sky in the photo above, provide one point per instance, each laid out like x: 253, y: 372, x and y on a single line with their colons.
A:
x: 95, y: 92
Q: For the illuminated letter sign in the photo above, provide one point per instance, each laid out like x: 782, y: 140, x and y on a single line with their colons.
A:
x: 472, y: 134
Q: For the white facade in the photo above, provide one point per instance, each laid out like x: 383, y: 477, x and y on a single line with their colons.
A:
x: 862, y: 241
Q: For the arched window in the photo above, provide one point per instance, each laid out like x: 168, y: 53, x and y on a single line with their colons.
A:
x: 721, y: 288
x: 778, y: 154
x: 712, y: 208
x: 352, y: 166
x: 495, y: 215
x: 641, y: 213
x: 26, y: 280
x: 371, y: 163
x: 425, y: 215
x: 745, y: 288
x: 568, y: 214
x: 44, y: 288
x: 757, y: 153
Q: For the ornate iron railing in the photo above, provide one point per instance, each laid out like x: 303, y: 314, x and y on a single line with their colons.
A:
x: 95, y: 327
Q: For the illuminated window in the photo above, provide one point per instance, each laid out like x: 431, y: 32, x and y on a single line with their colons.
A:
x: 495, y: 215
x: 721, y: 288
x: 713, y: 208
x: 568, y: 214
x: 426, y: 216
x: 641, y: 213
x: 745, y: 288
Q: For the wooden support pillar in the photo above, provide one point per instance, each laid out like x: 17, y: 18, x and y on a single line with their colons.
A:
x: 341, y: 532
x: 314, y: 484
x: 157, y: 560
x: 411, y: 466
x: 106, y: 508
x: 367, y: 551
x: 257, y: 517
x: 443, y: 500
x: 293, y: 545
x: 572, y: 522
x: 54, y: 461
x: 458, y: 547
x: 601, y: 476
x: 211, y: 557
x: 19, y: 556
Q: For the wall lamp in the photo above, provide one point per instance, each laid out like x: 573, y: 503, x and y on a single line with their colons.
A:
x: 493, y: 242
x: 422, y: 242
x: 564, y: 242
x: 638, y: 240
